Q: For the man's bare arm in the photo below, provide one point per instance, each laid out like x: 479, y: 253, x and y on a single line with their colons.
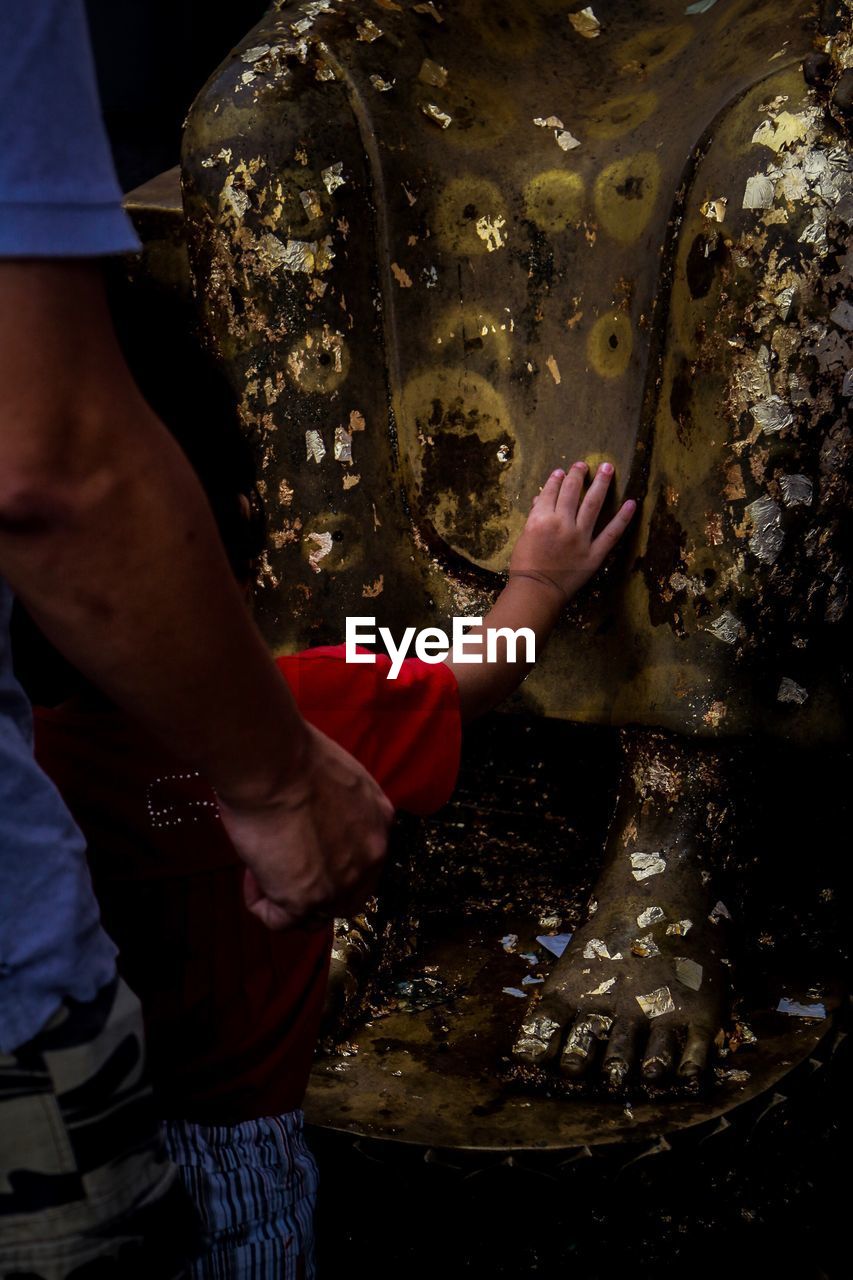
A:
x: 107, y: 537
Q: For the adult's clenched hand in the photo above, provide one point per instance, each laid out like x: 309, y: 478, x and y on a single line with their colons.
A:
x: 314, y: 849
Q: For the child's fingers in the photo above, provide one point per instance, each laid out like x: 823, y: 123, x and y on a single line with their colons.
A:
x: 590, y: 508
x: 547, y: 496
x: 571, y: 489
x: 612, y: 532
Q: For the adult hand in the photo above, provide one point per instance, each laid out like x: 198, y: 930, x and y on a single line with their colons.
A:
x: 315, y: 848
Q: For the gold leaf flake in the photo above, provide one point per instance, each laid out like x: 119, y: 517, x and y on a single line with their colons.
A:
x: 790, y: 691
x: 490, y: 231
x: 783, y: 131
x: 323, y: 547
x: 734, y: 489
x: 797, y: 490
x: 404, y: 280
x: 644, y: 865
x: 715, y: 210
x: 429, y: 9
x: 311, y: 203
x: 343, y: 445
x: 332, y: 176
x: 759, y: 192
x: 715, y: 715
x: 657, y: 1002
x: 597, y: 949
x: 432, y: 73
x: 726, y: 628
x: 688, y: 972
x: 586, y: 24
x: 314, y: 447
x: 645, y: 947
x: 434, y: 113
x: 602, y: 988
x: 368, y: 31
x: 584, y: 1031
x: 224, y: 154
x: 295, y: 255
x: 233, y: 201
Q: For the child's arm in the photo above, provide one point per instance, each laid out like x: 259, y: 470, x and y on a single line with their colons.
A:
x: 555, y: 555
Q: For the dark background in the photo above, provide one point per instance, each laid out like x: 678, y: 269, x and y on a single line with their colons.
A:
x: 152, y: 57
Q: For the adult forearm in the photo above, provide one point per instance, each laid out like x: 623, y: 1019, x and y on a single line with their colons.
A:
x: 107, y: 537
x: 122, y: 567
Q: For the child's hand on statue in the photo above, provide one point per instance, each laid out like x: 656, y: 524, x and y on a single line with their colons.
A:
x: 557, y: 552
x: 558, y: 546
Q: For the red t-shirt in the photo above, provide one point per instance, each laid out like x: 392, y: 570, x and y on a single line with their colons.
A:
x: 232, y: 1010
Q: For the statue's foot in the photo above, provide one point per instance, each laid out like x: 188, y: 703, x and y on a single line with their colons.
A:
x: 642, y: 988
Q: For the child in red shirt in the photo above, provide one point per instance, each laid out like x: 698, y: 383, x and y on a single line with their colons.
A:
x: 232, y: 1009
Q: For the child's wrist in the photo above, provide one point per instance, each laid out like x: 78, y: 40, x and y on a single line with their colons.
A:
x: 549, y: 584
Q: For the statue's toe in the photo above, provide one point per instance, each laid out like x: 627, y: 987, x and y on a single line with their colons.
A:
x: 660, y: 1054
x: 541, y: 1031
x: 579, y: 1051
x: 621, y: 1055
x: 694, y: 1059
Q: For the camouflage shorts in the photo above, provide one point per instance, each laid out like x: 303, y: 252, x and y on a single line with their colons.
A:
x: 86, y: 1189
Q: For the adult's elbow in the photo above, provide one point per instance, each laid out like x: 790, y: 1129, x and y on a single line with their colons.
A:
x: 48, y: 490
x: 33, y: 505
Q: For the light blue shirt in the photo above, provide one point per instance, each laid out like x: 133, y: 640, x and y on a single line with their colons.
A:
x: 59, y: 197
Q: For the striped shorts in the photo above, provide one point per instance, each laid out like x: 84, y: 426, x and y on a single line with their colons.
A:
x: 255, y: 1187
x: 86, y: 1189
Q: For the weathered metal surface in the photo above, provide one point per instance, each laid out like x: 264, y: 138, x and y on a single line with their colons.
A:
x: 500, y: 882
x: 416, y: 254
x: 440, y: 1077
x: 394, y: 236
x: 409, y: 300
x: 662, y: 996
x: 157, y: 213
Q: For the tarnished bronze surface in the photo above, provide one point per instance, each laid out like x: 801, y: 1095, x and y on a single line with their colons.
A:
x: 402, y: 257
x: 162, y: 193
x: 437, y: 253
x: 157, y: 214
x: 434, y: 1077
